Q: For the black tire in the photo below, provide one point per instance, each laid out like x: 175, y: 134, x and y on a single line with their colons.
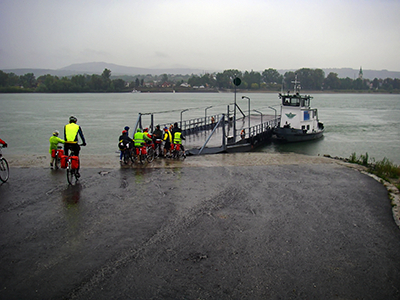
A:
x: 142, y: 158
x: 4, y: 170
x: 72, y: 176
x: 56, y: 162
x: 132, y: 155
x: 126, y: 157
x: 150, y: 154
x: 181, y: 155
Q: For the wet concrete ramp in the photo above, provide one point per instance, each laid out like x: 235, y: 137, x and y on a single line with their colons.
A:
x: 176, y: 232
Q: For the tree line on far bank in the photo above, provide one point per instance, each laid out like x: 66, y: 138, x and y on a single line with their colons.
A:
x: 268, y: 80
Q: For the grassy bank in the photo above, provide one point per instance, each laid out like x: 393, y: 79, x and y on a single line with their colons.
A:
x: 384, y: 169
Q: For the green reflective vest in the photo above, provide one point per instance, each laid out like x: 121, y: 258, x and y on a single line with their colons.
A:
x: 138, y: 139
x: 177, y: 138
x: 71, y: 131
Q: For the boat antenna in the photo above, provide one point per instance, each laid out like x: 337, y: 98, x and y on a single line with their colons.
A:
x: 296, y: 87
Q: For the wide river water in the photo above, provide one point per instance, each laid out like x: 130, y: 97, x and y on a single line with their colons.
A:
x: 360, y: 123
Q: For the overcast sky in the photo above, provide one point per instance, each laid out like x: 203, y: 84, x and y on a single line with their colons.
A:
x: 204, y: 34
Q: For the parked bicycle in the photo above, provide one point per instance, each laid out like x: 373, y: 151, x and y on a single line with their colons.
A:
x: 178, y: 152
x: 143, y: 155
x: 128, y: 155
x: 57, y: 157
x: 4, y: 169
x: 151, y: 153
x: 157, y: 151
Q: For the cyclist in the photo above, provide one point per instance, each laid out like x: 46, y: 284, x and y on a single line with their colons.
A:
x: 157, y: 136
x: 175, y: 129
x: 127, y: 130
x: 178, y: 137
x: 3, y: 143
x: 140, y: 138
x: 54, y: 140
x: 71, y: 132
x: 125, y: 142
x: 168, y: 141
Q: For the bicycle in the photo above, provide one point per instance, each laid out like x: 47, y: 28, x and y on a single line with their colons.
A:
x: 157, y: 151
x: 57, y: 157
x: 142, y: 154
x: 178, y: 152
x: 151, y: 153
x: 4, y: 169
x: 72, y: 166
x: 128, y: 156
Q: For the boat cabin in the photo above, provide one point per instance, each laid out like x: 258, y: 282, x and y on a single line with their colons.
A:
x: 296, y: 112
x: 295, y: 100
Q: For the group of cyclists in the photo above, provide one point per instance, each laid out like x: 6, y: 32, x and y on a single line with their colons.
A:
x: 162, y: 141
x: 70, y: 141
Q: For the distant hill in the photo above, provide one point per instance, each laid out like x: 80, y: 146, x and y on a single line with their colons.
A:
x: 353, y: 73
x: 98, y: 68
x: 118, y: 70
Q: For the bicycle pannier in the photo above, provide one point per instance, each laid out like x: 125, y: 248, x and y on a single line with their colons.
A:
x: 53, y: 153
x: 74, y: 162
x: 60, y: 152
x: 121, y: 145
x: 63, y: 161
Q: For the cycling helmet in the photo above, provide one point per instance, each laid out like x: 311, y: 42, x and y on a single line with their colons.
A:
x: 139, y: 130
x: 72, y: 119
x: 124, y: 132
x: 165, y: 128
x: 56, y: 132
x: 146, y: 129
x: 126, y: 128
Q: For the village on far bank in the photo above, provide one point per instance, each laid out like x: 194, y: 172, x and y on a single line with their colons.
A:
x: 269, y: 80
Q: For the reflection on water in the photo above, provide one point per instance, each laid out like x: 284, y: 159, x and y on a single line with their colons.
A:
x: 71, y: 198
x: 71, y: 195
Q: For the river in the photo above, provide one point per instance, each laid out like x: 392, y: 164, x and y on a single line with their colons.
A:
x: 360, y: 123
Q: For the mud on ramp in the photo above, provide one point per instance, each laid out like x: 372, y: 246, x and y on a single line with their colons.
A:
x: 221, y: 232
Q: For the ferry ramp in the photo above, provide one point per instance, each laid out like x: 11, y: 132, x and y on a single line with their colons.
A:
x: 223, y: 133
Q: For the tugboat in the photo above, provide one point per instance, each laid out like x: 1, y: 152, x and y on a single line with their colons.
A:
x: 299, y: 122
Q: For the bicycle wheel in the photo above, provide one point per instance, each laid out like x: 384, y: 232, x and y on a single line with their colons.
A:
x: 150, y: 154
x: 126, y: 157
x: 72, y: 175
x: 4, y: 170
x: 132, y: 156
x: 181, y: 155
x: 56, y: 162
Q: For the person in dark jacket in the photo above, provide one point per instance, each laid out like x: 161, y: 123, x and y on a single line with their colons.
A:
x: 124, y: 143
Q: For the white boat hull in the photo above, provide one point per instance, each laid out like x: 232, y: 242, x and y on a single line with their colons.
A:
x: 296, y: 135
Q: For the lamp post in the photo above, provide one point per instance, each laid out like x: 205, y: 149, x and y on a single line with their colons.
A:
x: 261, y: 118
x: 181, y: 116
x: 275, y: 114
x: 205, y: 115
x: 244, y: 97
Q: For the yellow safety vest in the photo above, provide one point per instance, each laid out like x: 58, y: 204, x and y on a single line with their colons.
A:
x: 71, y: 130
x: 138, y: 139
x: 177, y: 138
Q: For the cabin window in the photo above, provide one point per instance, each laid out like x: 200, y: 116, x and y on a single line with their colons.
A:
x: 303, y: 127
x: 308, y: 127
x: 306, y: 115
x: 291, y: 101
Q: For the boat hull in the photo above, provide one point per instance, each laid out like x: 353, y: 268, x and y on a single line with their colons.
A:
x: 292, y: 135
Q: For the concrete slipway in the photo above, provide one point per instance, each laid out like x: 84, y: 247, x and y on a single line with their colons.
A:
x: 198, y: 229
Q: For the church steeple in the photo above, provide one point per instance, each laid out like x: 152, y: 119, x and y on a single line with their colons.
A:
x: 360, y: 73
